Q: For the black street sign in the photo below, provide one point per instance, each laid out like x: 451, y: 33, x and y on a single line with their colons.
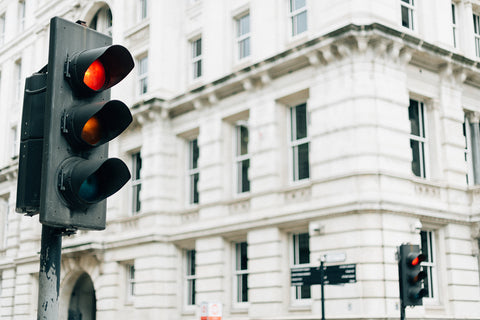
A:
x: 338, y: 274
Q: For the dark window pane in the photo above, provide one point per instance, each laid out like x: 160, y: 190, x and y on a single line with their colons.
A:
x: 304, y: 248
x: 303, y: 165
x: 415, y: 146
x: 405, y: 17
x: 301, y: 121
x: 414, y: 118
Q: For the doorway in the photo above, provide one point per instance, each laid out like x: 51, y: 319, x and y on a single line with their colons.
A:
x: 83, y: 304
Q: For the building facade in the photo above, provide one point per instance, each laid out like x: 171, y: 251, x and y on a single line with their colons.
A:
x: 266, y: 134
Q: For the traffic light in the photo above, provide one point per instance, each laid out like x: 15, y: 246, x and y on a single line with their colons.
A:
x: 80, y: 120
x: 411, y: 275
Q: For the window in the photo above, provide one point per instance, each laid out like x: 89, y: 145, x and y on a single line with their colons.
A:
x: 190, y: 277
x: 301, y: 257
x: 427, y: 244
x: 416, y: 114
x: 136, y: 182
x: 197, y: 58
x: 130, y: 268
x: 299, y: 142
x: 193, y: 172
x: 454, y: 25
x: 467, y: 133
x: 243, y: 36
x: 241, y: 272
x: 298, y: 16
x: 143, y: 9
x: 2, y: 29
x: 143, y: 75
x: 476, y: 29
x: 18, y: 80
x: 102, y: 21
x: 242, y: 158
x: 408, y: 13
x: 21, y: 15
x: 14, y: 142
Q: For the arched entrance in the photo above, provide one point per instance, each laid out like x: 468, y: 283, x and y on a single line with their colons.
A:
x: 83, y: 304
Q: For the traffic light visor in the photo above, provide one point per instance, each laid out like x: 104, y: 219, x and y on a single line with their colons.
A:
x: 415, y: 260
x: 95, y: 124
x: 89, y: 182
x: 99, y: 69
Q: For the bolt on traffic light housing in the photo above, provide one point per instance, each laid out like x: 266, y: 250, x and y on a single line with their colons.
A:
x: 80, y: 120
x: 411, y: 275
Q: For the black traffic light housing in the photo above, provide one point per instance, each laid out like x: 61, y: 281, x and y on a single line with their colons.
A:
x: 411, y: 275
x: 80, y: 119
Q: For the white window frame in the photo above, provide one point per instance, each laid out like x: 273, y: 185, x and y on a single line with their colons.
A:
x: 421, y: 139
x: 476, y: 32
x: 22, y: 7
x: 190, y: 278
x: 142, y: 10
x: 295, y: 143
x: 294, y: 13
x: 296, y: 291
x: 239, y: 274
x: 455, y: 25
x: 18, y: 80
x: 130, y: 282
x: 243, y: 39
x: 136, y: 206
x: 196, y: 49
x: 193, y: 173
x: 409, y: 5
x: 469, y: 177
x: 100, y: 20
x: 142, y: 75
x: 15, y: 144
x: 241, y: 158
x: 2, y: 27
x: 431, y: 266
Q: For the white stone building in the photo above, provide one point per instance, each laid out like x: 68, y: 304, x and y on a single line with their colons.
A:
x: 266, y: 134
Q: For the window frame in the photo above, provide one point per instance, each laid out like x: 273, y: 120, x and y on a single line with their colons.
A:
x: 455, y: 25
x: 142, y: 10
x: 130, y: 282
x: 469, y: 176
x: 21, y: 14
x: 142, y: 77
x: 293, y: 14
x: 294, y: 143
x: 409, y: 6
x: 240, y: 158
x: 421, y: 139
x: 190, y: 277
x: 295, y: 262
x: 3, y: 23
x: 196, y: 49
x: 243, y: 38
x: 240, y: 274
x: 136, y: 183
x: 18, y: 80
x: 430, y: 265
x: 193, y: 172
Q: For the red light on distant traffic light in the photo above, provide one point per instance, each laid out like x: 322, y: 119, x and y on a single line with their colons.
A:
x: 95, y: 76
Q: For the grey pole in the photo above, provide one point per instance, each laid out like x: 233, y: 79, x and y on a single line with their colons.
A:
x: 49, y: 276
x: 322, y: 276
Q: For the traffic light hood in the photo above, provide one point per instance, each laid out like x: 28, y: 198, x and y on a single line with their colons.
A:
x: 98, y: 69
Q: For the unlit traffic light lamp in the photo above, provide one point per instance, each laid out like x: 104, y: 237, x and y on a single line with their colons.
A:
x: 80, y: 120
x: 411, y: 275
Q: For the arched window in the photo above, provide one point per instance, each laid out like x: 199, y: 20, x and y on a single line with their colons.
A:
x: 102, y: 20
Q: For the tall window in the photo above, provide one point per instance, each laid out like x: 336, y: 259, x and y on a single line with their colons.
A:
x: 190, y: 277
x: 2, y: 28
x: 21, y: 15
x: 18, y: 79
x: 243, y: 36
x: 427, y: 244
x: 14, y: 142
x: 408, y: 14
x: 301, y: 257
x: 193, y: 172
x: 241, y: 272
x: 242, y: 158
x: 143, y: 9
x: 416, y: 114
x: 468, y: 151
x: 476, y: 29
x: 454, y: 24
x: 102, y: 21
x: 197, y: 58
x: 143, y: 75
x: 299, y: 142
x: 298, y: 16
x: 130, y: 268
x: 136, y: 182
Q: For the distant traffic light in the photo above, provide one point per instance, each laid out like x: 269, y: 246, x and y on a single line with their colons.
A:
x: 80, y: 121
x: 411, y: 275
